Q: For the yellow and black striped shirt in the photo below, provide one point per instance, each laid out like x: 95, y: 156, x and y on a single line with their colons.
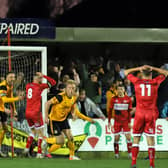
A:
x: 6, y: 95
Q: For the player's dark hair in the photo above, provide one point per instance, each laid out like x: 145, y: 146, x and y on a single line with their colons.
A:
x: 121, y: 85
x: 146, y: 72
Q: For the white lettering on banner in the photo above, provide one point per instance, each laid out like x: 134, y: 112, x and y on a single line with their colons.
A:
x: 101, y: 138
x: 118, y: 106
x: 36, y: 27
x: 19, y: 28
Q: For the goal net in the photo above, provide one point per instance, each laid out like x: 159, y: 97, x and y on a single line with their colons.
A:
x: 25, y: 62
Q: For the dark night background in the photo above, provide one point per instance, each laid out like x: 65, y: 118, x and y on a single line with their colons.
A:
x: 91, y: 13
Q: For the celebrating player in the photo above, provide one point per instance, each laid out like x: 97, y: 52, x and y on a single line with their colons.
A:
x: 33, y: 109
x: 146, y: 90
x: 62, y: 105
x: 6, y: 96
x: 122, y: 106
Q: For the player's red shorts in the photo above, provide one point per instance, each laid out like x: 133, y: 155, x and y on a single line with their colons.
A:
x: 144, y: 121
x: 121, y: 127
x: 35, y: 122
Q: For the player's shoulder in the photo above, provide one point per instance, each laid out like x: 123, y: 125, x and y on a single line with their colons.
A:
x: 29, y: 84
x: 130, y: 75
x: 159, y: 77
x: 114, y: 97
x: 127, y: 97
x: 75, y: 98
x: 59, y: 97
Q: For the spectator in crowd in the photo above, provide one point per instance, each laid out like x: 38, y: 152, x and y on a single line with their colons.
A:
x: 20, y: 81
x: 55, y: 72
x: 88, y: 107
x: 118, y: 72
x: 111, y: 92
x: 119, y: 82
x: 129, y: 87
x: 93, y: 89
x: 75, y: 76
x: 162, y: 101
x: 20, y: 105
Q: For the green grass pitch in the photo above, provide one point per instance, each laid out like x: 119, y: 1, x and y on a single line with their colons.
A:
x: 65, y: 163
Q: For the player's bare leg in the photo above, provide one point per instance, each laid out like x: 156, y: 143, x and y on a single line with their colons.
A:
x: 129, y: 144
x: 71, y: 145
x: 135, y: 150
x: 39, y: 132
x: 151, y: 149
x: 56, y: 141
x: 116, y: 145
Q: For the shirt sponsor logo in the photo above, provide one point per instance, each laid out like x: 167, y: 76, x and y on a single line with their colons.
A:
x: 119, y: 106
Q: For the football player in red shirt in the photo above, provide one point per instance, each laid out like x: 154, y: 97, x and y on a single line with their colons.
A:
x: 122, y: 106
x: 146, y: 91
x: 33, y: 109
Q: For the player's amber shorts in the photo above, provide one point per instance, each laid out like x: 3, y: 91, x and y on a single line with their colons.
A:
x: 144, y: 121
x: 121, y: 127
x: 35, y: 122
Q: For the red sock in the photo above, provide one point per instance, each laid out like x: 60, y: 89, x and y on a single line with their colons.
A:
x: 135, y: 150
x: 39, y: 144
x: 29, y: 141
x: 151, y: 153
x: 129, y: 146
x: 116, y: 148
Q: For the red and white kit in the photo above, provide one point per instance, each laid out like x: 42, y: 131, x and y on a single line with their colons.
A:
x: 33, y: 97
x: 122, y: 107
x: 146, y: 104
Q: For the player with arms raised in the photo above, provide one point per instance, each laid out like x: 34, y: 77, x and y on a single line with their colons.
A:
x: 122, y: 106
x: 146, y: 91
x: 33, y: 109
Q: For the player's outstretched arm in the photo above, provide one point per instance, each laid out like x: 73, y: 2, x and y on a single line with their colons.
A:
x: 47, y: 107
x: 82, y: 116
x: 11, y: 99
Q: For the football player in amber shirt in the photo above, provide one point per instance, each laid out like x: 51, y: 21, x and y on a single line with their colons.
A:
x: 146, y: 91
x: 6, y: 96
x: 62, y: 105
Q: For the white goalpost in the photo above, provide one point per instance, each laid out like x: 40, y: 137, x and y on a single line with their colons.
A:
x: 25, y: 61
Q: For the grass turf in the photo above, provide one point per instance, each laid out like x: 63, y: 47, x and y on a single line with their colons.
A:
x: 65, y: 163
